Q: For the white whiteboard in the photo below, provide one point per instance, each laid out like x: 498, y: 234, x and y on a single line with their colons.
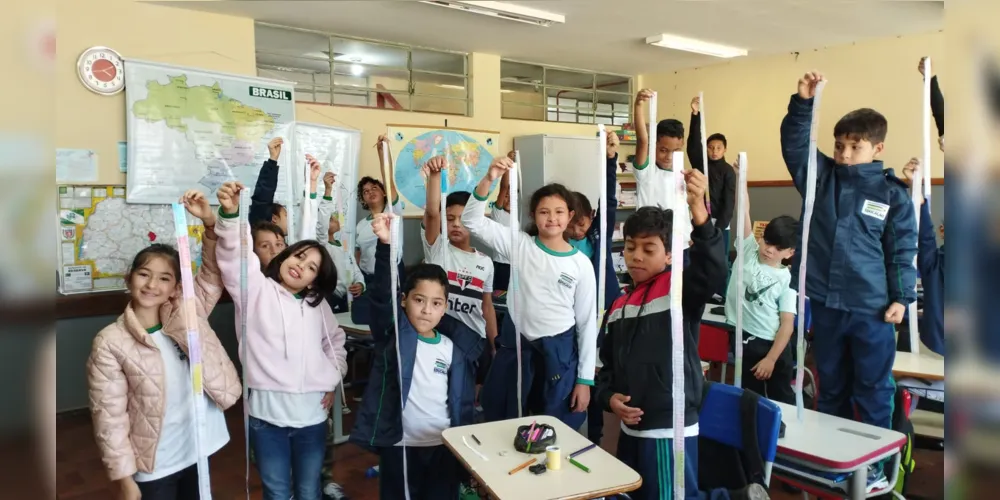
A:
x: 337, y: 150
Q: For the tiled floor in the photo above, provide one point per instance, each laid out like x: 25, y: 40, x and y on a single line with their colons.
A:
x: 81, y: 477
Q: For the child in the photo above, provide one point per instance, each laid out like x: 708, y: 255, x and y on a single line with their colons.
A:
x: 585, y: 237
x: 349, y: 276
x: 371, y: 195
x: 470, y: 272
x: 262, y: 205
x: 555, y: 309
x: 861, y: 254
x: 635, y: 381
x: 721, y: 177
x: 268, y: 241
x: 138, y: 378
x: 500, y: 213
x: 295, y: 351
x: 438, y: 354
x: 769, y: 307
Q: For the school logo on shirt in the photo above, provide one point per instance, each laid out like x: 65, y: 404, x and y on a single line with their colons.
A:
x: 875, y: 209
x: 440, y: 367
x: 566, y: 280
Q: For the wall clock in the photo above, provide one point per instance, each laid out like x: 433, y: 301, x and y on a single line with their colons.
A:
x: 101, y: 70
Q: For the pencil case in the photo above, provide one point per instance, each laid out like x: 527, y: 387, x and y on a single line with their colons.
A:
x: 546, y: 437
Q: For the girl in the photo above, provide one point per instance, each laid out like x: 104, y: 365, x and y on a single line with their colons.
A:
x: 295, y: 354
x: 140, y: 387
x: 556, y: 310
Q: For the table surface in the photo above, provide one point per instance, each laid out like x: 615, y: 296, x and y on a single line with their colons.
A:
x: 607, y: 474
x: 920, y: 366
x: 832, y: 442
x: 714, y: 319
x: 344, y: 319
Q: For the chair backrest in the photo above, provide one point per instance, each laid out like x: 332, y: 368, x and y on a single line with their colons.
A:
x: 713, y: 344
x: 808, y: 316
x: 719, y: 420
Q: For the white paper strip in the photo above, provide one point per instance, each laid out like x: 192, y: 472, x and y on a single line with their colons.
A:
x: 704, y: 154
x: 911, y: 309
x: 602, y: 182
x: 394, y: 232
x: 651, y: 148
x: 741, y: 230
x: 245, y: 245
x: 513, y: 294
x: 926, y: 166
x: 677, y: 245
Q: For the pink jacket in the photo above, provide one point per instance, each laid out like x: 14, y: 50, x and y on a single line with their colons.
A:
x: 125, y: 375
x: 291, y: 346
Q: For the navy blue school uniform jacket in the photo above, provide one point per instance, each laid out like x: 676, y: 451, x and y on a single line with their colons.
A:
x: 930, y: 261
x: 263, y: 193
x: 636, y: 351
x: 863, y: 239
x: 380, y: 419
x: 721, y: 177
x: 611, y: 288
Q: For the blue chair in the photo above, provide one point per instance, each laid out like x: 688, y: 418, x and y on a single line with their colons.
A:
x: 808, y: 373
x: 716, y: 422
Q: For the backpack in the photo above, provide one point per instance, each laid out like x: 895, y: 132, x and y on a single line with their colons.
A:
x: 723, y: 466
x: 901, y: 423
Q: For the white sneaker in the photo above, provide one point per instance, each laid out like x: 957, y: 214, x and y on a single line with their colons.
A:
x: 334, y: 491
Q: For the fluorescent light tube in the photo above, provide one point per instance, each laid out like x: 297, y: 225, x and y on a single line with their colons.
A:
x: 502, y: 10
x: 696, y: 46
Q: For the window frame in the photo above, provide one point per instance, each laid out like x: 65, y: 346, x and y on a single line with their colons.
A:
x: 554, y: 112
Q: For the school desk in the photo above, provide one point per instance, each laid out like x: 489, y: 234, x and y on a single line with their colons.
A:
x: 718, y: 320
x: 607, y: 476
x: 833, y: 444
x: 921, y: 366
x: 354, y: 332
x: 344, y: 320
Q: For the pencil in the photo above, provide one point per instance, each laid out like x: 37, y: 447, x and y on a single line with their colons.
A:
x: 519, y: 467
x: 578, y: 464
x: 474, y: 438
x: 581, y: 451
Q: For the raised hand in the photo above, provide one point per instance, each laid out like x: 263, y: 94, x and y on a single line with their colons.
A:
x: 696, y: 185
x: 910, y: 169
x: 229, y: 197
x: 920, y: 66
x: 197, y: 205
x: 328, y: 179
x: 380, y: 142
x: 642, y: 96
x: 499, y: 166
x: 333, y: 228
x: 314, y: 168
x: 380, y: 226
x: 274, y: 147
x: 512, y: 154
x: 435, y: 165
x: 695, y: 105
x: 808, y: 83
x: 612, y: 143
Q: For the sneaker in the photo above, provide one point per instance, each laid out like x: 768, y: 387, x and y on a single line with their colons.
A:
x: 753, y: 492
x: 333, y: 491
x: 345, y: 410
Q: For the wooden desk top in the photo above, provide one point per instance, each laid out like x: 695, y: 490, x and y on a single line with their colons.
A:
x: 919, y: 366
x: 833, y: 442
x: 607, y: 476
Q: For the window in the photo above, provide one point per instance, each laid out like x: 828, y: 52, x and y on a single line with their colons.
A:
x: 331, y: 69
x: 536, y: 92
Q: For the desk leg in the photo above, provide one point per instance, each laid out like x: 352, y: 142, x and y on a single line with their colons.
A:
x: 859, y: 484
x: 338, y: 417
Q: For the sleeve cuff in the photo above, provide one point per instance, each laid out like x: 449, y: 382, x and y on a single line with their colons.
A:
x: 312, y: 196
x: 480, y: 198
x: 704, y: 231
x: 585, y: 382
x: 644, y: 165
x: 328, y: 198
x: 224, y: 215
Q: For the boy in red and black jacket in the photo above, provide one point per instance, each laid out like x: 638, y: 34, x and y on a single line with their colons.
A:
x: 635, y: 382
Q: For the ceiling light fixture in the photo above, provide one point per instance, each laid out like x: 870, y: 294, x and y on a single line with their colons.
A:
x: 502, y: 10
x: 357, y: 69
x: 696, y: 46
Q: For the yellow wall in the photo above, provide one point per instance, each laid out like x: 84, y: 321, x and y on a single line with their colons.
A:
x: 226, y: 44
x: 746, y: 99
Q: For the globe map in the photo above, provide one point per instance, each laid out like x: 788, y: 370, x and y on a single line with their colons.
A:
x: 468, y: 162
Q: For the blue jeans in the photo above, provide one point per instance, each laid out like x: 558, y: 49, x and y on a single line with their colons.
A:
x: 289, y: 459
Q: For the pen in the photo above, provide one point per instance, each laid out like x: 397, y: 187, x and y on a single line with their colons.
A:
x: 581, y: 451
x: 474, y: 438
x: 578, y: 464
x: 525, y: 464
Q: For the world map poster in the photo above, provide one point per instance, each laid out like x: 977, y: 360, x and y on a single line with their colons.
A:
x: 469, y: 154
x: 192, y: 129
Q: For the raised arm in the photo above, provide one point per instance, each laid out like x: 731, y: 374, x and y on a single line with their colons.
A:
x: 727, y: 205
x: 641, y: 128
x: 795, y: 132
x: 503, y: 196
x: 267, y: 183
x: 432, y: 210
x: 474, y: 218
x: 228, y: 245
x: 694, y: 137
x: 386, y: 170
x: 208, y: 282
x: 380, y: 289
x: 326, y: 208
x: 708, y: 267
x: 937, y: 99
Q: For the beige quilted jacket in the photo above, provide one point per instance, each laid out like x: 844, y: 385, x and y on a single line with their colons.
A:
x: 125, y: 375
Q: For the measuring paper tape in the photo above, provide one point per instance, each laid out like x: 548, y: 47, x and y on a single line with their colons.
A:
x: 677, y: 244
x: 513, y: 179
x: 927, y: 131
x: 602, y: 182
x: 444, y: 191
x: 394, y: 229
x: 741, y: 206
x: 651, y: 143
x: 914, y: 320
x: 189, y: 311
x: 810, y: 200
x: 704, y: 158
x: 244, y: 358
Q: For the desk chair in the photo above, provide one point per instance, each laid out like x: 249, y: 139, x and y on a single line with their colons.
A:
x: 713, y: 346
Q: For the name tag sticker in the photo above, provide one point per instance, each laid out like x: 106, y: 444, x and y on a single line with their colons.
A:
x: 875, y: 209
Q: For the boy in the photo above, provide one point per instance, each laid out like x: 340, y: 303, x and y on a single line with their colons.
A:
x: 655, y: 182
x: 721, y: 177
x: 862, y: 248
x: 470, y: 272
x: 635, y: 353
x: 768, y: 307
x: 268, y: 241
x: 262, y: 205
x: 438, y: 355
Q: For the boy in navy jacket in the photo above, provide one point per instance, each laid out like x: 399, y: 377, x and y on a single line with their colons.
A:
x: 862, y: 246
x: 438, y: 355
x: 262, y: 205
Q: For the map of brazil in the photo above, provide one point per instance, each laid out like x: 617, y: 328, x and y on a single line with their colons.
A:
x: 189, y: 129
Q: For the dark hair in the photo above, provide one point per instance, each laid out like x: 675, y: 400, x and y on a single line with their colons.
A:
x: 326, y: 278
x: 717, y: 137
x: 266, y: 225
x: 581, y: 205
x: 863, y: 124
x: 670, y: 128
x: 425, y: 272
x: 156, y: 250
x: 650, y: 221
x: 554, y: 189
x: 782, y: 232
x: 275, y: 211
x: 361, y: 188
x: 457, y: 198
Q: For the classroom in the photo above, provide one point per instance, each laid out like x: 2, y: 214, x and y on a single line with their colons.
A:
x: 277, y: 130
